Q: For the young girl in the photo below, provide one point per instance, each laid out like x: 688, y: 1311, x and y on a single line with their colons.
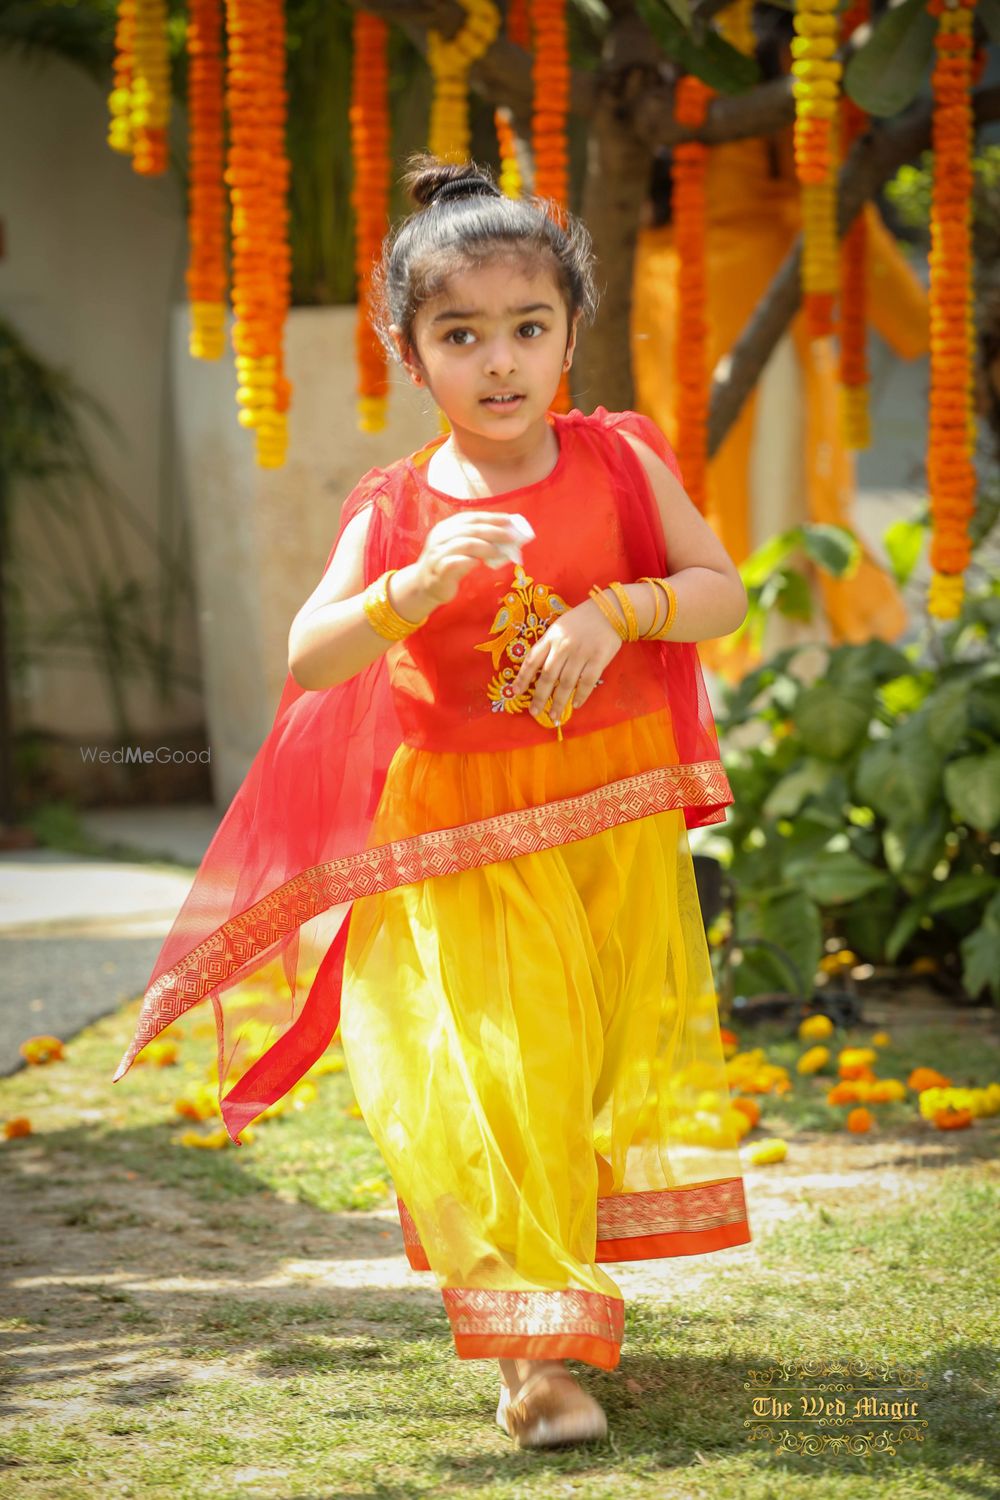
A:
x: 491, y: 743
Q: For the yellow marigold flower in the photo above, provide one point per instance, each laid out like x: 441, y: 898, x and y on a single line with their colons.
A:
x: 19, y: 1125
x: 303, y: 1093
x: 750, y: 1108
x: 763, y: 1153
x: 813, y: 1060
x: 354, y: 1110
x: 884, y: 1091
x: 41, y: 1049
x: 881, y: 1039
x: 856, y: 1056
x: 815, y: 1028
x: 737, y: 1122
x: 375, y: 1185
x: 158, y: 1054
x: 326, y: 1065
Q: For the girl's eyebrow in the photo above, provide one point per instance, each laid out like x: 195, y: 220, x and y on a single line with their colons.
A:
x: 477, y: 312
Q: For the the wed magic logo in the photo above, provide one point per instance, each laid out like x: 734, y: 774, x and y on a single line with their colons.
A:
x: 815, y: 1407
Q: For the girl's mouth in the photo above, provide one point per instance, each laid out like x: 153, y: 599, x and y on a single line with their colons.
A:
x: 502, y: 403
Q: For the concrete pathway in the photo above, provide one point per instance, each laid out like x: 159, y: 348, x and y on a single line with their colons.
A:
x: 80, y: 934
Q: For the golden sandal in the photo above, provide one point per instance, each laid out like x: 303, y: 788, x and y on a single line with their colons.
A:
x: 539, y: 1416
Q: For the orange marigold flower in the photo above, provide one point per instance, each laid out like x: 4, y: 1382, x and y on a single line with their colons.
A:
x: 952, y: 1119
x: 857, y: 1071
x: 842, y: 1093
x: 41, y: 1049
x: 860, y: 1120
x: 729, y: 1038
x: 927, y: 1078
x: 748, y: 1107
x: 19, y: 1125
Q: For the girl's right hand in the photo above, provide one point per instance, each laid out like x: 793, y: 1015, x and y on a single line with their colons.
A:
x: 454, y: 546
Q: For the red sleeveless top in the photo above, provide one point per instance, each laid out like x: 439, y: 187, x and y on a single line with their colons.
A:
x: 317, y: 821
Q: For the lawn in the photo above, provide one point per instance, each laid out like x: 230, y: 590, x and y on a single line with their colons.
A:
x: 191, y: 1323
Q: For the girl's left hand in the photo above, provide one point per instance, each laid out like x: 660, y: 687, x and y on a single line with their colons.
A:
x: 572, y: 653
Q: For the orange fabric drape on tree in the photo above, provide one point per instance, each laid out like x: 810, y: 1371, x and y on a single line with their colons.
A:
x: 753, y: 221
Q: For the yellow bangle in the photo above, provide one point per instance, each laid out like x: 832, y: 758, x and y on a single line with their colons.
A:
x: 656, y: 607
x: 609, y: 611
x: 382, y: 614
x: 628, y: 610
x: 664, y: 630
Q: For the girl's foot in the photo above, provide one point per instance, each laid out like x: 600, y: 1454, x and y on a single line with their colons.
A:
x: 541, y: 1405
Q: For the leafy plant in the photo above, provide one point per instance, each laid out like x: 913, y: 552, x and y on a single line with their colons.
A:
x: 867, y: 789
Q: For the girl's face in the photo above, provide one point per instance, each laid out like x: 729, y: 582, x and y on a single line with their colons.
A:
x: 495, y: 329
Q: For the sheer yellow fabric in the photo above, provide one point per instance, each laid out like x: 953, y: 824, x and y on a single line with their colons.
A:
x: 534, y: 1045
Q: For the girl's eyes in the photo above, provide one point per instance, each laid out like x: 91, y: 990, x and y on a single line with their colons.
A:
x: 449, y: 336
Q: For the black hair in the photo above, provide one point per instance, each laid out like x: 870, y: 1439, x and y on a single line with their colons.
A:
x: 469, y: 227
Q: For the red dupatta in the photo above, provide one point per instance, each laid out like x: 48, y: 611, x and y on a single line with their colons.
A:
x: 291, y: 853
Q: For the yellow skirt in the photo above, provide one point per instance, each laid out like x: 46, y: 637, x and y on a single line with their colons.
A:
x: 534, y: 1045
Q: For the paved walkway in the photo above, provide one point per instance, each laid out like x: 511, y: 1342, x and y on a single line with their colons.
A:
x: 80, y: 934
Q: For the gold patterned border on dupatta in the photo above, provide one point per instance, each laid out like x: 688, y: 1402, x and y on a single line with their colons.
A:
x: 653, y: 1225
x: 232, y: 947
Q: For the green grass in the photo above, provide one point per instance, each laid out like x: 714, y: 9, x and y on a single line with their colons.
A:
x: 235, y: 1379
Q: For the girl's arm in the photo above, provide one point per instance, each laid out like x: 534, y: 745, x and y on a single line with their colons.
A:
x: 711, y: 598
x: 331, y: 638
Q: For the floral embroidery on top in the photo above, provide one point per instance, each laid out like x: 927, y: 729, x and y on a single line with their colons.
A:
x: 526, y: 612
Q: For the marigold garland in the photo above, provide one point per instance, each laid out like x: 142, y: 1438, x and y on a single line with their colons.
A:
x: 149, y: 87
x: 449, y: 61
x: 854, y: 414
x: 551, y: 79
x: 371, y: 158
x: 206, y: 273
x: 691, y: 344
x: 509, y: 181
x: 951, y: 474
x: 120, y: 98
x: 257, y: 173
x: 816, y: 88
x: 519, y: 23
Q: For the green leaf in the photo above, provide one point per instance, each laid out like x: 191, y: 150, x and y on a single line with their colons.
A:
x: 761, y: 563
x: 789, y: 919
x: 972, y: 786
x: 833, y: 720
x: 906, y: 925
x: 886, y: 74
x: 981, y: 954
x: 831, y: 547
x: 793, y: 597
x: 962, y: 890
x: 838, y: 877
x: 944, y: 714
x: 716, y: 63
x: 903, y: 542
x: 808, y: 780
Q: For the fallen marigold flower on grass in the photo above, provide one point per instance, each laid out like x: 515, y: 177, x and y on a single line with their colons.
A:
x: 832, y: 963
x: 815, y: 1028
x: 857, y: 1072
x: 860, y: 1120
x: 354, y: 1110
x: 158, y: 1054
x: 41, y: 1049
x: 764, y: 1153
x: 881, y: 1039
x: 885, y: 1091
x: 19, y: 1125
x: 927, y: 1078
x: 216, y: 1140
x: 843, y: 1093
x: 375, y: 1185
x: 748, y: 1107
x: 952, y: 1119
x: 326, y: 1065
x: 813, y: 1060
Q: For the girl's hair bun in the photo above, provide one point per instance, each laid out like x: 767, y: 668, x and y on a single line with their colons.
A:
x: 427, y: 175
